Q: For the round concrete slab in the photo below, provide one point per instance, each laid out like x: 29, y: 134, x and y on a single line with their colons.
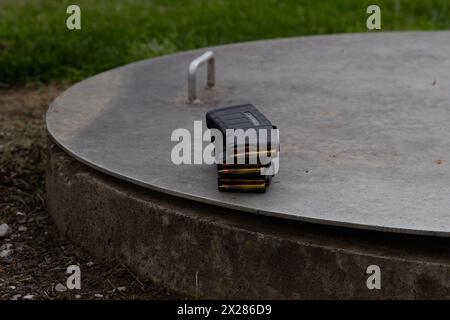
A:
x: 206, y: 251
x: 363, y: 123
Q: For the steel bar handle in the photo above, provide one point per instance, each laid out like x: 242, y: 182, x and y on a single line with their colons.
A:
x: 192, y: 74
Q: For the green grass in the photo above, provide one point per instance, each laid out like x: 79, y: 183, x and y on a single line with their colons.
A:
x: 35, y: 45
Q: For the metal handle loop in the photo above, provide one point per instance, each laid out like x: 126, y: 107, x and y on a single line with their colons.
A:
x: 192, y: 74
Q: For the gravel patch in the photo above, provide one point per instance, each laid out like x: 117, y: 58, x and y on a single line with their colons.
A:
x: 33, y: 257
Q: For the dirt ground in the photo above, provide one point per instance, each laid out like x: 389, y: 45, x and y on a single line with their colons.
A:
x: 38, y: 256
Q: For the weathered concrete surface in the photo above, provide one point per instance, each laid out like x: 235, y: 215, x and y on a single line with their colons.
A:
x: 211, y: 252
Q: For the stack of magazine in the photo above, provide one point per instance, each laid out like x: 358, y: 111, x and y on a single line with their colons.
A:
x: 246, y: 157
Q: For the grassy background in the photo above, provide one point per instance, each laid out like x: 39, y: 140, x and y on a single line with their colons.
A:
x: 35, y: 44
